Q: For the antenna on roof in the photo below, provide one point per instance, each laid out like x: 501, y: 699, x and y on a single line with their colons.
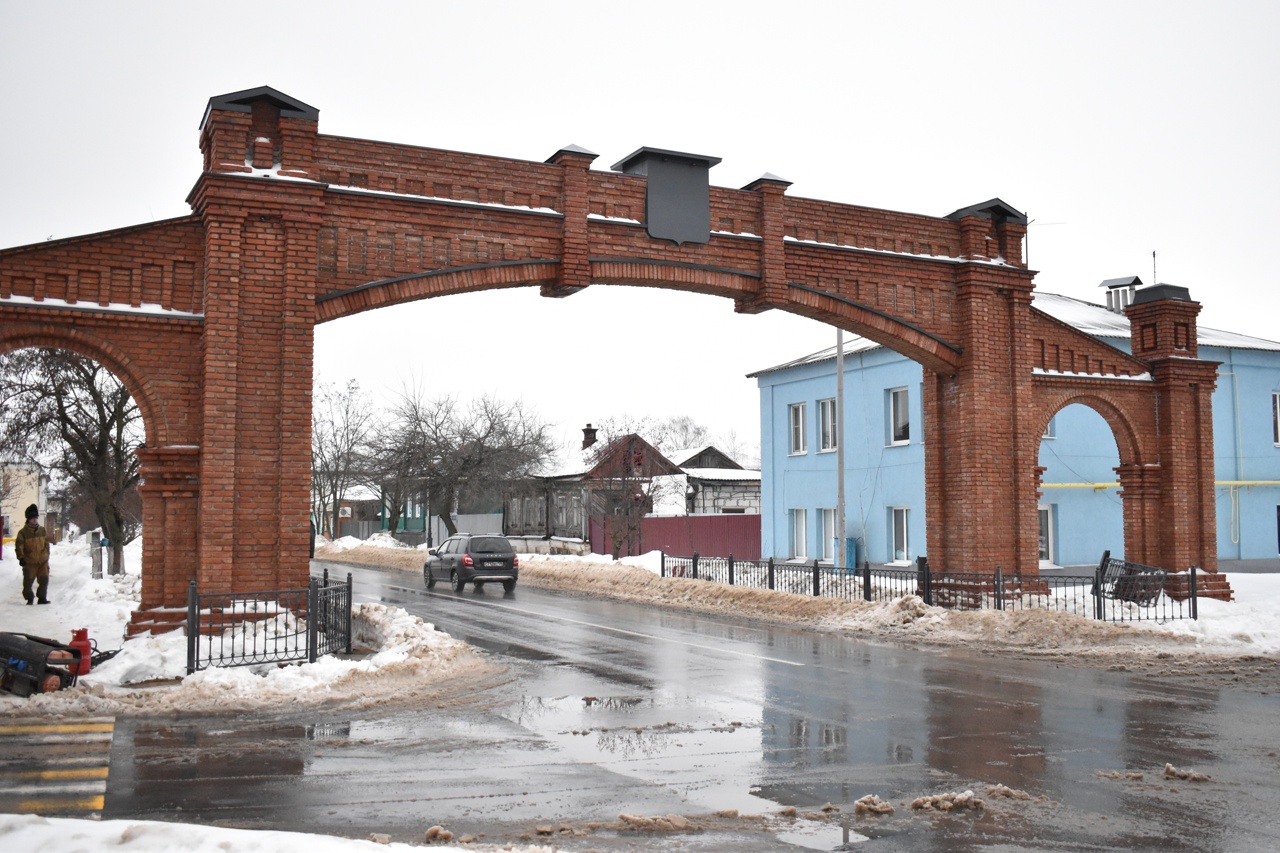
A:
x: 1154, y: 280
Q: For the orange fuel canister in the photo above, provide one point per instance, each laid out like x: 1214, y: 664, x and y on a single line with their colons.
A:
x: 80, y: 640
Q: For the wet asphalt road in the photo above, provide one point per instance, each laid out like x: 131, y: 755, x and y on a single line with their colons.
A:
x: 609, y: 708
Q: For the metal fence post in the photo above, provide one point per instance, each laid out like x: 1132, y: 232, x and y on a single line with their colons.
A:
x: 730, y: 570
x: 313, y: 616
x: 866, y: 580
x: 1195, y: 602
x: 999, y: 590
x: 924, y: 579
x: 1097, y: 589
x: 771, y: 583
x: 817, y: 590
x: 695, y: 565
x: 662, y: 566
x: 350, y: 602
x: 193, y: 626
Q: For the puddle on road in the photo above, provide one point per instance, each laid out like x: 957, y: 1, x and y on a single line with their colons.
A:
x: 710, y: 752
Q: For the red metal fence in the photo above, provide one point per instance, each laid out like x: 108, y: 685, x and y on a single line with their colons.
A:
x: 712, y: 535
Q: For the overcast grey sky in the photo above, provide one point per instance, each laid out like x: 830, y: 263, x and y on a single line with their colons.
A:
x: 1121, y: 128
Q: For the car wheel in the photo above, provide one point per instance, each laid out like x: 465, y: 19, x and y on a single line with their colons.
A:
x: 430, y: 578
x: 509, y: 585
x: 456, y: 582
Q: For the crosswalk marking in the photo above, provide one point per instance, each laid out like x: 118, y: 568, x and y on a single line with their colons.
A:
x: 55, y: 768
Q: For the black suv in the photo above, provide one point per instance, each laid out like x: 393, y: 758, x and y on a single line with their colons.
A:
x: 472, y: 558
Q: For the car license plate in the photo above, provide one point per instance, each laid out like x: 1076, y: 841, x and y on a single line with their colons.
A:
x: 493, y: 564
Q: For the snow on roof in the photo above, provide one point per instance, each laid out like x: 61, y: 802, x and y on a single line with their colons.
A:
x: 362, y: 492
x: 730, y: 475
x: 1090, y: 318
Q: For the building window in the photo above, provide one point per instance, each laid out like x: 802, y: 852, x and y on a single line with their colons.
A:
x: 898, y: 534
x: 827, y: 424
x: 1046, y: 533
x: 797, y: 428
x: 1051, y: 429
x: 799, y: 534
x: 1275, y: 418
x: 899, y: 417
x: 829, y: 534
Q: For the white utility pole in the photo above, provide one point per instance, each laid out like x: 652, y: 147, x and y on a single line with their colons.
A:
x: 839, y: 531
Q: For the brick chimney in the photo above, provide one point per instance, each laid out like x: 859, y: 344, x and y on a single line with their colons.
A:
x: 588, y: 436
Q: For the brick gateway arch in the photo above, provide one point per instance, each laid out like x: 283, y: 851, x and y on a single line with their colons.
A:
x: 209, y: 321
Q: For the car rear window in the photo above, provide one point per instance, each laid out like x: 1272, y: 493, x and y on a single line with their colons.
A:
x: 492, y: 545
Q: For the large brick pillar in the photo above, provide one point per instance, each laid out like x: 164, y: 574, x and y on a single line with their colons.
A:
x: 980, y: 481
x: 256, y: 359
x: 257, y: 373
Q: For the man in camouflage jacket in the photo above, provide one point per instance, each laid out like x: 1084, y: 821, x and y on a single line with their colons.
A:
x: 31, y: 547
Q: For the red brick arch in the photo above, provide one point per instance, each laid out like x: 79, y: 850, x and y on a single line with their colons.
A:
x: 210, y: 319
x: 1125, y: 434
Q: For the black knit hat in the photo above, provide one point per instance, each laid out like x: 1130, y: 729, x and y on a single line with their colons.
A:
x: 33, y: 511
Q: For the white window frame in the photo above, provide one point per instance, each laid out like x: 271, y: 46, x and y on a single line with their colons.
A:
x: 1048, y: 533
x: 1051, y: 428
x: 796, y: 423
x: 828, y: 438
x: 827, y: 517
x: 800, y: 534
x: 899, y: 525
x: 897, y: 402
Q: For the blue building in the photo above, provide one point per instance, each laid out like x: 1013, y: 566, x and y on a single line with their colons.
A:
x: 1080, y: 507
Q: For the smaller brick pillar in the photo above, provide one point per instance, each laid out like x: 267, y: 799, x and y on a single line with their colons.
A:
x: 575, y: 266
x: 170, y: 513
x: 1180, y: 522
x: 773, y: 248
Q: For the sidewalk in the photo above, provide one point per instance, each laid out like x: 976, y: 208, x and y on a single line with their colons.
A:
x: 1249, y: 567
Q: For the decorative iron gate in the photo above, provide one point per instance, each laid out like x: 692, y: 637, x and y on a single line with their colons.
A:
x: 275, y: 626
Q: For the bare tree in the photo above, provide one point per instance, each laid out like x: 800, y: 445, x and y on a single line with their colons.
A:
x: 82, y: 422
x: 677, y: 432
x: 465, y: 452
x: 341, y: 428
x: 394, y: 467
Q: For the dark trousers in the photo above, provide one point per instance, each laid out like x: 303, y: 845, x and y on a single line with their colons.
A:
x: 40, y: 576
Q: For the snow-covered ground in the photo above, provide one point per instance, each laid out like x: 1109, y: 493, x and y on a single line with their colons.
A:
x: 66, y: 835
x: 148, y: 675
x: 403, y: 654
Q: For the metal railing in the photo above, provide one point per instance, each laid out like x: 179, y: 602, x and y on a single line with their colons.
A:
x: 275, y: 626
x: 1092, y: 596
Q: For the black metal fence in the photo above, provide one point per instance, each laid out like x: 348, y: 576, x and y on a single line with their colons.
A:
x: 1134, y: 598
x: 276, y: 626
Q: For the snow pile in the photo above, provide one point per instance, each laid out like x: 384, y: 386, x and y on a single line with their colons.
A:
x: 871, y: 805
x: 401, y: 656
x: 948, y: 802
x: 65, y: 835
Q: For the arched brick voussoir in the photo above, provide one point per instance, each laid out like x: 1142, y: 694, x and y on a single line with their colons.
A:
x: 695, y: 278
x: 16, y: 336
x: 929, y: 351
x: 425, y: 285
x: 1111, y: 405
